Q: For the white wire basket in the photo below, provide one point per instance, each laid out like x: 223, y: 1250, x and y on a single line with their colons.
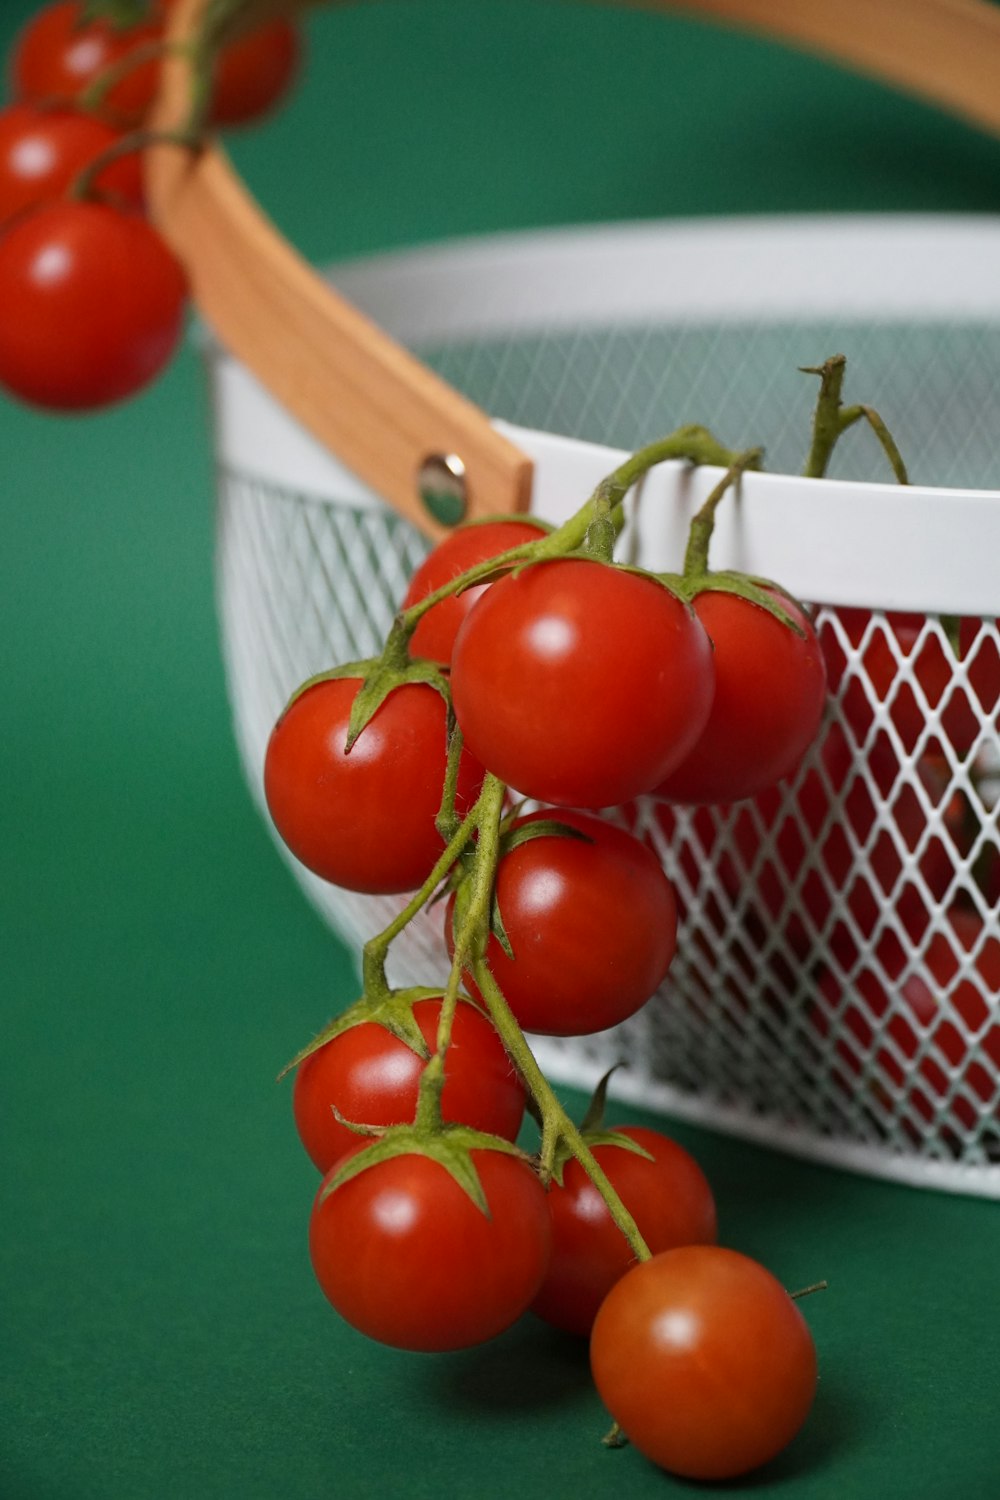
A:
x: 836, y: 991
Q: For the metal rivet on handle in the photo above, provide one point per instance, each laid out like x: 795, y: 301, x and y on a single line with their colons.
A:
x: 442, y: 487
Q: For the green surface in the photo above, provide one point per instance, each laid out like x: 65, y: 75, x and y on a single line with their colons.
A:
x: 160, y: 1332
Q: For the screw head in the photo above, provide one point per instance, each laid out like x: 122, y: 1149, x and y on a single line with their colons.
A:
x: 441, y: 485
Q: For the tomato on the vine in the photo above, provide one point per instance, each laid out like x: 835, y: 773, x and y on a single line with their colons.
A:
x: 59, y: 54
x: 92, y: 305
x: 406, y: 1257
x: 42, y: 152
x: 363, y: 819
x: 705, y: 1361
x: 254, y: 73
x: 770, y: 689
x: 591, y: 923
x: 581, y: 683
x: 667, y: 1195
x: 461, y: 549
x: 372, y: 1078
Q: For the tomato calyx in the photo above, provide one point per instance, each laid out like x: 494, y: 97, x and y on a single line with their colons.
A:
x: 696, y: 577
x: 391, y: 1009
x: 593, y: 1132
x: 450, y: 1146
x: 379, y: 676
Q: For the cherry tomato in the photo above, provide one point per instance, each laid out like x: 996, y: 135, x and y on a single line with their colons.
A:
x: 770, y: 689
x: 705, y: 1361
x: 372, y: 1077
x: 91, y: 305
x: 899, y: 661
x: 581, y: 683
x: 668, y: 1197
x: 42, y: 151
x: 463, y: 548
x: 255, y: 73
x: 929, y: 1032
x: 592, y: 924
x: 365, y: 819
x: 58, y: 56
x: 407, y: 1258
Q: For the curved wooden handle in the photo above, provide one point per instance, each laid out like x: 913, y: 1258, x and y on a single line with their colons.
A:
x: 372, y: 404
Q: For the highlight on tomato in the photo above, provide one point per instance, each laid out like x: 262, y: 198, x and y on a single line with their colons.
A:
x: 372, y: 1077
x: 460, y: 550
x: 92, y: 305
x: 363, y: 819
x: 705, y: 1362
x: 405, y: 1255
x: 43, y: 151
x: 60, y: 54
x: 665, y: 1191
x: 590, y: 923
x: 580, y: 683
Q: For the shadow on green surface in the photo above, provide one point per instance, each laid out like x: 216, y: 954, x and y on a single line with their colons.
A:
x: 531, y: 1368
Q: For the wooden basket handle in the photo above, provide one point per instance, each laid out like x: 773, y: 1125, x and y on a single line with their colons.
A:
x: 375, y: 406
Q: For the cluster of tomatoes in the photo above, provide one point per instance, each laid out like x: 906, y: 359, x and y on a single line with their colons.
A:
x: 92, y: 300
x: 529, y: 660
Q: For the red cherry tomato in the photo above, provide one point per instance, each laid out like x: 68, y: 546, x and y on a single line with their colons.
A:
x: 580, y: 683
x: 930, y: 1033
x: 58, y: 56
x: 407, y: 1258
x: 255, y: 73
x: 705, y: 1362
x: 668, y: 1197
x: 770, y: 689
x: 42, y: 152
x: 372, y: 1078
x: 592, y: 924
x: 363, y: 820
x: 91, y: 305
x: 463, y: 548
x: 904, y: 667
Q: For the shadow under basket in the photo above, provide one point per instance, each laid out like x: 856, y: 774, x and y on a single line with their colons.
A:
x: 836, y: 991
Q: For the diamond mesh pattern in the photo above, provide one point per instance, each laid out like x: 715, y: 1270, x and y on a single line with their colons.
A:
x: 837, y: 985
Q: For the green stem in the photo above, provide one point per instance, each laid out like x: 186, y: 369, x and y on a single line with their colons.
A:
x: 703, y: 521
x: 376, y: 948
x: 84, y: 184
x: 831, y: 420
x: 693, y: 444
x: 556, y: 1123
x: 95, y: 95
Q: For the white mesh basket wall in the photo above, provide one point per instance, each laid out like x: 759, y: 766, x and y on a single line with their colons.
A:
x: 837, y: 985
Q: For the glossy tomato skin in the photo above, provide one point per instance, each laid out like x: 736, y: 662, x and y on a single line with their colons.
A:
x: 255, y: 73
x: 770, y: 691
x: 363, y: 820
x: 461, y: 549
x: 407, y: 1258
x: 42, y: 151
x: 705, y: 1361
x: 57, y: 57
x: 580, y: 683
x: 92, y: 305
x: 592, y: 924
x: 373, y: 1079
x: 668, y: 1197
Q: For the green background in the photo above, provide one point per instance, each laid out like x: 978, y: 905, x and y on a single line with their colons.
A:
x: 160, y: 1331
